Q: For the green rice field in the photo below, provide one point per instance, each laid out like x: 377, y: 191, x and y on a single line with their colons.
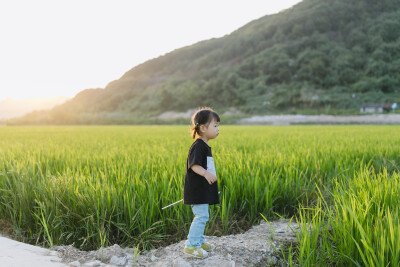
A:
x: 94, y: 186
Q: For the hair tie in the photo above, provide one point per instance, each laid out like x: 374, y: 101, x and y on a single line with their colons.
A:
x: 197, y: 123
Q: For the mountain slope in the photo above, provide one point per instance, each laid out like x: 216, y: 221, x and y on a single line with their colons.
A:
x: 323, y: 55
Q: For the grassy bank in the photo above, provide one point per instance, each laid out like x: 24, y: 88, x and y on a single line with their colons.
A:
x: 361, y: 227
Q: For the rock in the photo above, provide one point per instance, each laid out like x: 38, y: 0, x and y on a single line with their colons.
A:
x: 75, y: 264
x: 93, y: 263
x: 118, y: 261
x: 131, y: 251
x: 179, y: 262
x: 257, y: 259
x: 226, y: 264
x: 228, y: 249
x: 147, y: 253
x: 105, y: 254
x: 130, y: 257
x: 116, y: 246
x: 59, y: 248
x: 153, y: 258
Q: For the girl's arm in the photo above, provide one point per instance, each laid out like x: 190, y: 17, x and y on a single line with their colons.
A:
x: 210, y: 177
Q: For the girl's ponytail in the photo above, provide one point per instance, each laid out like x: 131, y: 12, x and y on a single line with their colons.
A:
x: 195, y: 130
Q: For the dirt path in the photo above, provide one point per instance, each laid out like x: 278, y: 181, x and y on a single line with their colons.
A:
x: 252, y: 248
x: 14, y: 253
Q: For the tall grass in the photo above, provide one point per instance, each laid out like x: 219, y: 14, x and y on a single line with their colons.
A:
x: 94, y: 186
x: 360, y: 228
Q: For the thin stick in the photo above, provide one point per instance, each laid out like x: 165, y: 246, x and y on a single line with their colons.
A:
x: 172, y: 204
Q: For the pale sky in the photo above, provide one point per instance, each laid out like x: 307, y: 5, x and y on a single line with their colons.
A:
x: 58, y: 48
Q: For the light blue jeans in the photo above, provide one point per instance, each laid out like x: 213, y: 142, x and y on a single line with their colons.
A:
x: 196, y: 232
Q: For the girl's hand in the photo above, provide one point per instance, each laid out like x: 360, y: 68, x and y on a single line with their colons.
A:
x: 210, y: 177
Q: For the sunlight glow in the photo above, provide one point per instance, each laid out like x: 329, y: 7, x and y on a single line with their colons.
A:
x: 58, y: 48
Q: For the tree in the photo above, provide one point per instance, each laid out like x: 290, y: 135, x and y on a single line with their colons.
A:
x: 390, y: 31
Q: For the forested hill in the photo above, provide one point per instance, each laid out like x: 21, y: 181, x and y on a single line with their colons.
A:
x: 326, y: 56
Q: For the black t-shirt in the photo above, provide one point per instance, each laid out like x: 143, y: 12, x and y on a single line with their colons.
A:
x: 196, y: 189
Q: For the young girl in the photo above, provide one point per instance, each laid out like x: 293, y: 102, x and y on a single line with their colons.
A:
x: 201, y: 187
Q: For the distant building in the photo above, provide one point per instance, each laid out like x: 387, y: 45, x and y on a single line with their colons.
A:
x: 372, y: 108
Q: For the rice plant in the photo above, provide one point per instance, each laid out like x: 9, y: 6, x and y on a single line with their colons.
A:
x: 94, y: 186
x: 360, y: 228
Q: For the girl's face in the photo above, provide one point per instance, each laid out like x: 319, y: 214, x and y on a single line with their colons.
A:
x: 212, y: 131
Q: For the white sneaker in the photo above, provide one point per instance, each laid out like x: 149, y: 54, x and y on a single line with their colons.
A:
x: 197, y: 252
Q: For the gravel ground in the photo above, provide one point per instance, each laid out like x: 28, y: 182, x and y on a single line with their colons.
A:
x: 255, y: 247
x: 252, y: 248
